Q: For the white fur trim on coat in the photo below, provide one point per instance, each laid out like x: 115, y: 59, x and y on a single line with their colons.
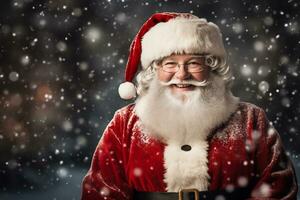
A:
x: 186, y: 169
x: 181, y: 35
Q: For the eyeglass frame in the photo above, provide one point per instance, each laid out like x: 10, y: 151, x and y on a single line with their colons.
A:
x: 178, y: 65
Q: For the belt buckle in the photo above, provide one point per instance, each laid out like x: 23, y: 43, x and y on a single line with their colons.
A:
x: 196, y: 193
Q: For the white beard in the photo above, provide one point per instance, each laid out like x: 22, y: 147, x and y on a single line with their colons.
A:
x: 186, y: 118
x: 170, y: 118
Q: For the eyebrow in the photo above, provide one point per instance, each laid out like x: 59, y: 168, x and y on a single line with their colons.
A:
x: 196, y: 57
x: 191, y: 58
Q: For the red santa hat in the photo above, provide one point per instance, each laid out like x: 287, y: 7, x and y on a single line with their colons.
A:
x: 164, y: 34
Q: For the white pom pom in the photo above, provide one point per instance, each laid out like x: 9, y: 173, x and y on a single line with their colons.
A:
x: 127, y: 90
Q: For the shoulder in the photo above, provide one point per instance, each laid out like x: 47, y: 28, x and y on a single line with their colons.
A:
x: 122, y: 122
x: 250, y: 110
x: 125, y: 115
x: 246, y: 106
x: 243, y: 123
x: 126, y: 111
x: 252, y: 115
x: 247, y: 115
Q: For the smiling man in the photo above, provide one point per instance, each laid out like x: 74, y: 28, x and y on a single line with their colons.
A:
x: 186, y: 136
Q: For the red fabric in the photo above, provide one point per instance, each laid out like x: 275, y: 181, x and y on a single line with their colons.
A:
x: 245, y: 151
x: 136, y: 45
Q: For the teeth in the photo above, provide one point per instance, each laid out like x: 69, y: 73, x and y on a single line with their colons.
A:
x: 182, y: 85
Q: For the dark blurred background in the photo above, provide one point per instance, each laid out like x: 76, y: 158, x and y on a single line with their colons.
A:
x: 61, y: 63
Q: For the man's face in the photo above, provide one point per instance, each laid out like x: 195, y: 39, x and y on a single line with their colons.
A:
x: 182, y: 68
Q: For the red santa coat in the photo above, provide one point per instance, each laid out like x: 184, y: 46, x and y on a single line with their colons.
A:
x: 243, y: 152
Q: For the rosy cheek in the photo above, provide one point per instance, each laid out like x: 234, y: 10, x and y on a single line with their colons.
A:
x: 165, y: 77
x: 201, y: 76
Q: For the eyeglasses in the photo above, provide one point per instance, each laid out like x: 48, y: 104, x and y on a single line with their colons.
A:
x: 194, y: 65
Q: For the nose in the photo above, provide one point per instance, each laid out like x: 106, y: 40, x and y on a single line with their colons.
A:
x: 182, y: 73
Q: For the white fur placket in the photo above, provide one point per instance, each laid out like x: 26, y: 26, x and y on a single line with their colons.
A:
x: 186, y: 169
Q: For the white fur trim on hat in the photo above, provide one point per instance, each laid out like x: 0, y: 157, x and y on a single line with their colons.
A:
x: 127, y: 90
x: 182, y: 35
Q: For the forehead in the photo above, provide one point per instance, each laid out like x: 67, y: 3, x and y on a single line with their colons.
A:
x: 182, y: 56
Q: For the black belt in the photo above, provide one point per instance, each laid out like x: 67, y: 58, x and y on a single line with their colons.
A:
x: 193, y: 194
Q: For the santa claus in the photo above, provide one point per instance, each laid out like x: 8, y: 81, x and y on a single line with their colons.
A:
x: 186, y: 136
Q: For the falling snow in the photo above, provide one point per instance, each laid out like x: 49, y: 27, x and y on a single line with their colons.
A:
x: 62, y: 62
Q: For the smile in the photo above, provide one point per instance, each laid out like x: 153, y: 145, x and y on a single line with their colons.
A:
x: 183, y: 85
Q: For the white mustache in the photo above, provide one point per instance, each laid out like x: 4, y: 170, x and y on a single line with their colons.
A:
x: 188, y: 82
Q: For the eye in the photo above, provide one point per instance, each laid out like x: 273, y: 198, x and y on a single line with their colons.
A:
x: 170, y: 64
x: 194, y: 63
